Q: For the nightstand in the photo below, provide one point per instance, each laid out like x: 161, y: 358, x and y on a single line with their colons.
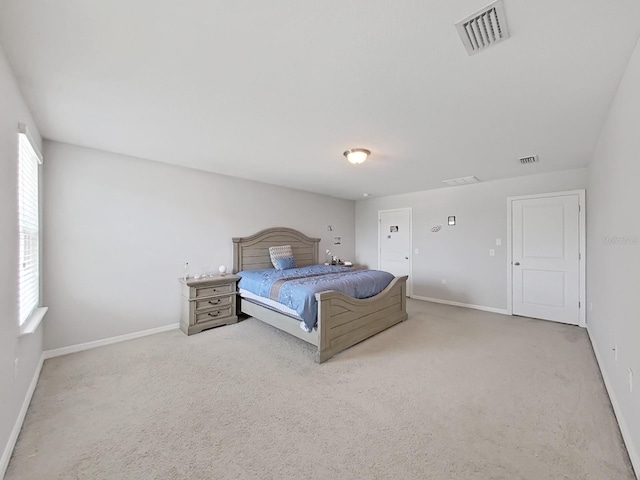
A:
x: 208, y: 302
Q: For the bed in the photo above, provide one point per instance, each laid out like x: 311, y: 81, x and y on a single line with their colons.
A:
x: 342, y: 321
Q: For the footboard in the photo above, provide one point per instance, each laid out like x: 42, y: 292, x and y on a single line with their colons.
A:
x: 344, y: 321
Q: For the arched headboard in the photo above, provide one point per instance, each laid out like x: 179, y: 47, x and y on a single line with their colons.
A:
x: 252, y: 253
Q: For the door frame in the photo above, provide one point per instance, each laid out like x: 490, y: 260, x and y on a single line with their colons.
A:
x: 410, y: 210
x: 582, y: 314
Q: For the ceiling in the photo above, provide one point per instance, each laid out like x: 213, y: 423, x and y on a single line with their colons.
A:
x: 276, y: 91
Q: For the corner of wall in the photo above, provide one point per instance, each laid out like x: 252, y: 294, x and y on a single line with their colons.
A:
x: 15, y: 432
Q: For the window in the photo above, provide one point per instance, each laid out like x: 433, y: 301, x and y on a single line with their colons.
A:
x: 28, y: 226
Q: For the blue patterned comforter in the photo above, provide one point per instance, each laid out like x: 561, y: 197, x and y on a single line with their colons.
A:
x: 296, y: 287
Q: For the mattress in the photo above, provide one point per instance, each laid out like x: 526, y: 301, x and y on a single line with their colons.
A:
x: 270, y: 303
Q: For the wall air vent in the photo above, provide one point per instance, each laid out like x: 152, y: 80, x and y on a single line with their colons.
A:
x: 454, y: 182
x: 484, y: 28
x: 527, y: 160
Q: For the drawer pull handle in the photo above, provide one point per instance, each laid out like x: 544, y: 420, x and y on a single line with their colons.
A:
x: 214, y: 314
x: 214, y: 303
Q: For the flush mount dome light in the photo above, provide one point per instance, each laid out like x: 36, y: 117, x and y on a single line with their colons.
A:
x: 357, y: 155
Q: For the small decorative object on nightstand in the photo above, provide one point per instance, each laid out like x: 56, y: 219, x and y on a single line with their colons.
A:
x: 208, y: 302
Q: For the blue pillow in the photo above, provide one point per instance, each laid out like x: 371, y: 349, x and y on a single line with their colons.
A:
x: 284, y: 263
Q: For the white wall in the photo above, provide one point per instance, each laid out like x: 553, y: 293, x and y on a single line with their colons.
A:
x: 459, y: 254
x: 119, y: 229
x: 613, y: 252
x: 27, y: 349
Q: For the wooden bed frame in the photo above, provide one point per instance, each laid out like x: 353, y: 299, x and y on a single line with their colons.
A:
x: 342, y: 321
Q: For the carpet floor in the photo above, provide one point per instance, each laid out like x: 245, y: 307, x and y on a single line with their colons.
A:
x: 451, y: 393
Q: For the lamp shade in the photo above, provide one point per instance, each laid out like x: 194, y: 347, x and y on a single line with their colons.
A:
x: 357, y: 155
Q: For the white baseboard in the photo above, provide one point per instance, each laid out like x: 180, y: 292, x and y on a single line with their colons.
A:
x: 13, y: 438
x: 634, y: 454
x: 57, y: 352
x: 501, y: 311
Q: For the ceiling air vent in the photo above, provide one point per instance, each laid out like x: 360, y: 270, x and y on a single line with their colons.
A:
x: 531, y: 159
x: 461, y: 181
x: 484, y: 28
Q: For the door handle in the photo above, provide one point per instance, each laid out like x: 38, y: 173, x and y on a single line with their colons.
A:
x: 406, y: 258
x: 517, y: 264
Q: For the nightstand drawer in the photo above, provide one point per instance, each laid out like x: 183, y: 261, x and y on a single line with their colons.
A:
x: 207, y: 316
x: 214, y: 302
x: 214, y: 290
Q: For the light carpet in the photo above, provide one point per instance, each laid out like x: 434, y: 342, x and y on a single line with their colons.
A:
x: 451, y: 393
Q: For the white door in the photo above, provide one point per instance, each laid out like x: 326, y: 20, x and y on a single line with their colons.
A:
x: 394, y: 236
x: 545, y: 258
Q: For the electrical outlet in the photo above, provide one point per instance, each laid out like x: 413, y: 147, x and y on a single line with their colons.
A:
x: 443, y: 281
x: 417, y: 251
x: 630, y: 380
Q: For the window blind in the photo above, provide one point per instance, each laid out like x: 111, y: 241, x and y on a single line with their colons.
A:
x: 28, y: 227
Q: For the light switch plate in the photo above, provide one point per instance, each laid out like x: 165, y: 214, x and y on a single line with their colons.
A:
x: 498, y: 242
x: 492, y: 252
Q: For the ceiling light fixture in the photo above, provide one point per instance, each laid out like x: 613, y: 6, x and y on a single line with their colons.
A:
x: 357, y: 155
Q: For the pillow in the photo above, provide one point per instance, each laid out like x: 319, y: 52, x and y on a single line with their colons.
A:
x: 283, y: 251
x: 284, y: 263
